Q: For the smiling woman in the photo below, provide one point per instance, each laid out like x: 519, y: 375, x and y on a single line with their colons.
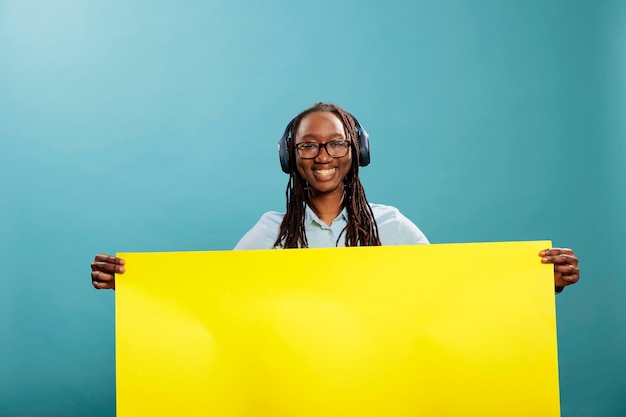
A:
x: 326, y: 184
x: 321, y: 150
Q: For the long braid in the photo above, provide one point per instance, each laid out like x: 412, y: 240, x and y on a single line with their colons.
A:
x: 292, y: 227
x: 361, y: 229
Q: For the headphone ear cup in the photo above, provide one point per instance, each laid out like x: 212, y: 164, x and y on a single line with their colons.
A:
x: 364, y: 147
x: 283, y: 154
x: 364, y: 143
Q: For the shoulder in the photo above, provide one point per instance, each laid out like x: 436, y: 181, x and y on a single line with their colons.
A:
x: 264, y: 233
x: 271, y: 219
x: 395, y: 228
x: 385, y: 213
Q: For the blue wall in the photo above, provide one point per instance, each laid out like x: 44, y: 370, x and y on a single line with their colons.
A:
x: 152, y: 125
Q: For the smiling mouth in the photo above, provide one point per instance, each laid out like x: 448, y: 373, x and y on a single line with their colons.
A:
x: 325, y: 171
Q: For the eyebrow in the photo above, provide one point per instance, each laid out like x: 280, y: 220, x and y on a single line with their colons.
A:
x: 314, y: 136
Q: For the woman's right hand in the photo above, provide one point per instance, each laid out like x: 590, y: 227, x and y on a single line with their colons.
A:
x: 103, y: 270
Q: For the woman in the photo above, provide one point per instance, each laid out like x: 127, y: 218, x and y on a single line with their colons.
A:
x: 321, y: 150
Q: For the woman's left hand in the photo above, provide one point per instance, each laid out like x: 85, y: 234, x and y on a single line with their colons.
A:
x: 566, y: 271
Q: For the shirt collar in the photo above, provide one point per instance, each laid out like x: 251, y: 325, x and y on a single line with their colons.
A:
x: 310, y: 216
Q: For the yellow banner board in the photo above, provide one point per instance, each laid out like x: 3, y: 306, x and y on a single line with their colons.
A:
x: 424, y: 330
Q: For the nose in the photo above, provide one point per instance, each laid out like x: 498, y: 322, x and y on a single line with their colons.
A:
x: 323, y: 156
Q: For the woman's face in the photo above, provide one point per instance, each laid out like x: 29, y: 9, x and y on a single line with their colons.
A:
x: 324, y: 173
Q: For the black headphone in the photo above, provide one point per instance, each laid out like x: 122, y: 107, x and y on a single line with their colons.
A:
x: 364, y: 145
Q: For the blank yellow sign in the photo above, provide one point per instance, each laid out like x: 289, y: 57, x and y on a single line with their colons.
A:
x: 425, y: 330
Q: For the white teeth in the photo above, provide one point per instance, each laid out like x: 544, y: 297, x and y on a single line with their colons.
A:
x: 325, y: 171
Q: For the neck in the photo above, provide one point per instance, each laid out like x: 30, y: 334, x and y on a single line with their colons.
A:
x: 326, y: 206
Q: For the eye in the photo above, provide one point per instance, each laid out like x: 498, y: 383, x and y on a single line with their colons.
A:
x: 337, y: 144
x: 308, y: 146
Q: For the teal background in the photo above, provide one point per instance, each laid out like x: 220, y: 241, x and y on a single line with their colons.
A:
x: 152, y: 126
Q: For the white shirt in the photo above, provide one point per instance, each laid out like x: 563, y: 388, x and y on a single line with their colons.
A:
x: 393, y: 228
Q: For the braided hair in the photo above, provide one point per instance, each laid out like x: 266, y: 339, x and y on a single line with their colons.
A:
x: 361, y: 229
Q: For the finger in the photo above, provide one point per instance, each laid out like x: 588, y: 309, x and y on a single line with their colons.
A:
x: 556, y: 251
x: 565, y: 280
x: 566, y: 269
x: 101, y: 276
x: 107, y: 267
x: 103, y: 285
x: 561, y: 283
x: 103, y: 257
x: 566, y: 275
x: 572, y: 279
x: 101, y: 281
x: 560, y: 259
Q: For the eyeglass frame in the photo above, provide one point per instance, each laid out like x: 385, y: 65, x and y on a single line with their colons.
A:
x: 323, y: 145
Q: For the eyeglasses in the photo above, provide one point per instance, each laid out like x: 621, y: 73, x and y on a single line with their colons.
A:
x: 334, y: 148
